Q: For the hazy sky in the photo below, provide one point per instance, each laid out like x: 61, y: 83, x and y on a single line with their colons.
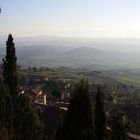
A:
x: 73, y: 18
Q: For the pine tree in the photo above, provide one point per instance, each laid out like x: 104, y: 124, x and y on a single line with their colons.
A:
x: 100, y: 117
x: 79, y: 121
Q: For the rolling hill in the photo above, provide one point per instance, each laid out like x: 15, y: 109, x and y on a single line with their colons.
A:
x: 93, y: 54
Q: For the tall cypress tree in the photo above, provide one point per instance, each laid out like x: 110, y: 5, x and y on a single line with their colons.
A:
x: 79, y: 121
x: 10, y: 82
x: 24, y: 121
x: 100, y: 117
x: 10, y: 67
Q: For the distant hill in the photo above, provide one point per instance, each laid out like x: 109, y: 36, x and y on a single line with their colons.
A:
x: 85, y: 57
x: 94, y: 54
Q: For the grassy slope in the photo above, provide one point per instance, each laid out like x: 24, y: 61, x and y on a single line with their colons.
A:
x: 130, y: 77
x: 58, y: 75
x: 124, y: 77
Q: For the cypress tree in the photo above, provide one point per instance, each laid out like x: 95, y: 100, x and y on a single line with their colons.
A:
x: 119, y: 127
x: 100, y: 117
x: 28, y: 124
x: 79, y: 121
x: 10, y: 85
x: 3, y: 130
x: 2, y: 104
x: 22, y: 121
x: 10, y: 67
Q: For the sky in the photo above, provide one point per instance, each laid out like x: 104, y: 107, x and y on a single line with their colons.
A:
x: 71, y: 18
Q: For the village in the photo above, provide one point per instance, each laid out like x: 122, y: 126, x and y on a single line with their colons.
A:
x: 51, y: 97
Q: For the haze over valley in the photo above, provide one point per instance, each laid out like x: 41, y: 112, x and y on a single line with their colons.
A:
x: 92, y: 54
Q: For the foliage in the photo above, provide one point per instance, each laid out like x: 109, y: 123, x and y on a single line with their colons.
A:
x: 10, y: 67
x: 100, y: 117
x: 11, y: 83
x: 54, y: 87
x: 17, y: 118
x: 6, y: 114
x: 79, y: 121
x: 28, y: 123
x: 119, y: 127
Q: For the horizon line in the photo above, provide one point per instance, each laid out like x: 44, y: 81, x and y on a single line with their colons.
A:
x: 66, y: 37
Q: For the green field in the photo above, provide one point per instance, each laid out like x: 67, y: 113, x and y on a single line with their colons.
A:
x: 128, y: 77
x: 128, y: 80
x: 55, y: 74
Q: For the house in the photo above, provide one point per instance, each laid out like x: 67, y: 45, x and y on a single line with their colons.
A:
x: 37, y: 95
x: 65, y: 96
x: 133, y: 136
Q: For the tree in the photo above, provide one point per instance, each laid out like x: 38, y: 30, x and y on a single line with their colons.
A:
x: 28, y: 124
x: 119, y: 126
x: 10, y: 85
x: 22, y: 122
x: 10, y: 67
x: 3, y: 130
x: 34, y: 69
x: 79, y: 121
x: 100, y: 117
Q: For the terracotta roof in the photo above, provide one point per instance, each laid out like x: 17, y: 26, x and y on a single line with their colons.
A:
x: 36, y: 91
x: 64, y: 108
x: 133, y: 136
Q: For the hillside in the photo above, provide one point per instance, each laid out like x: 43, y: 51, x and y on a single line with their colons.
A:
x: 93, y: 54
x: 86, y: 57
